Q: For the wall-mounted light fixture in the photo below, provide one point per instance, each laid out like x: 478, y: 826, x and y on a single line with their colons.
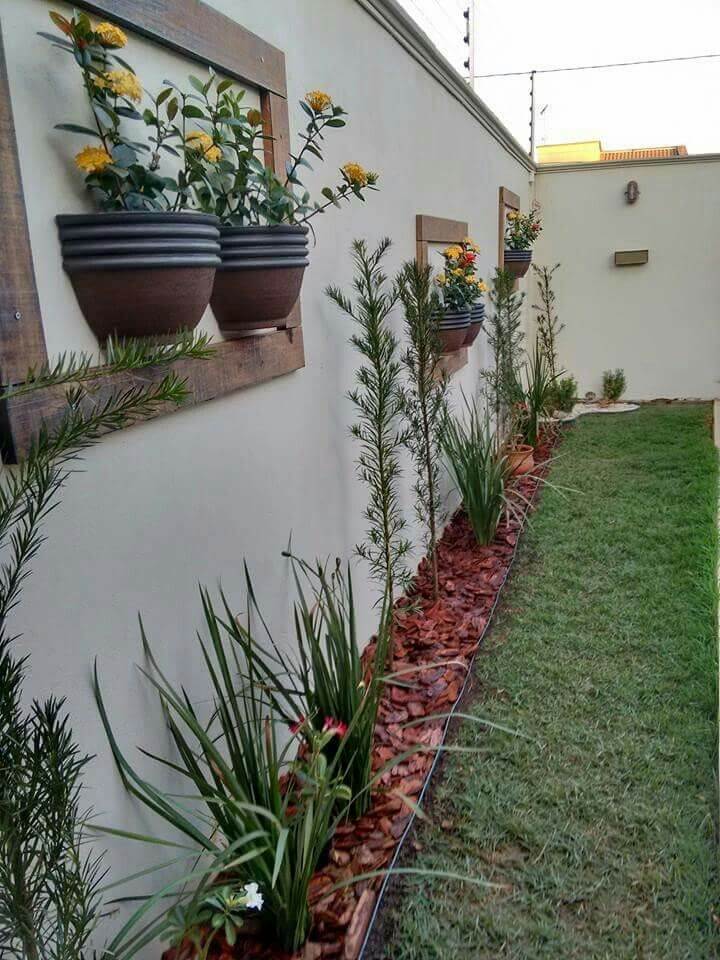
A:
x: 632, y: 191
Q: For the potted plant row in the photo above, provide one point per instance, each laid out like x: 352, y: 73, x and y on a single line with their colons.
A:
x: 463, y: 310
x: 218, y: 227
x: 521, y: 232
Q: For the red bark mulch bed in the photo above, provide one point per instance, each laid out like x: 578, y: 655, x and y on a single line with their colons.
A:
x: 426, y: 633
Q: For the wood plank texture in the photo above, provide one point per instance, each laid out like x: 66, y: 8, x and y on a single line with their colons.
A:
x: 234, y: 365
x: 507, y: 200
x: 436, y: 230
x: 22, y: 341
x: 199, y: 31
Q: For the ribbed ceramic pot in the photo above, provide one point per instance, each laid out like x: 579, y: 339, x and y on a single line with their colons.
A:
x: 140, y: 274
x: 260, y: 276
x: 477, y: 315
x: 517, y: 262
x: 453, y: 327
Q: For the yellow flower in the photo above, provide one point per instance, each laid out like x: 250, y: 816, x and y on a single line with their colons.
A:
x: 109, y: 35
x: 441, y: 279
x: 203, y: 143
x: 93, y: 159
x: 355, y: 174
x: 453, y: 252
x: 481, y: 285
x: 458, y: 272
x: 470, y: 244
x: 123, y: 83
x: 254, y: 117
x: 318, y: 100
x: 513, y: 215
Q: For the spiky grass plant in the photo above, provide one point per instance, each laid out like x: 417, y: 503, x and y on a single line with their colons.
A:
x: 242, y: 783
x: 325, y: 682
x: 378, y: 403
x: 538, y: 386
x: 50, y: 878
x: 424, y: 400
x: 479, y: 469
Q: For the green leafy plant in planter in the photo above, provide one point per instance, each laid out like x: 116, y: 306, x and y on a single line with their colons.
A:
x: 424, y: 400
x: 51, y: 878
x: 145, y: 265
x: 264, y: 212
x: 379, y: 430
x: 521, y: 232
x: 461, y: 314
x: 613, y: 385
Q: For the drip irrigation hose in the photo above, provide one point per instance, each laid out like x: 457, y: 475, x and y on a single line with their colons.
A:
x: 446, y: 727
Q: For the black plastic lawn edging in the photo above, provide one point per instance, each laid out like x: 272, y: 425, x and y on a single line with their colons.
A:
x: 372, y: 943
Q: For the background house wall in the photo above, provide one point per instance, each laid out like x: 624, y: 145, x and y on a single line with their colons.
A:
x: 182, y: 500
x: 658, y: 321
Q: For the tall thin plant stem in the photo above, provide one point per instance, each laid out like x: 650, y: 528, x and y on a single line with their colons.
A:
x: 377, y: 400
x: 424, y: 401
x: 548, y: 324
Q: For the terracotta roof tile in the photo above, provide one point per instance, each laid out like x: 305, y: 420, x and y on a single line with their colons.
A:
x: 644, y: 153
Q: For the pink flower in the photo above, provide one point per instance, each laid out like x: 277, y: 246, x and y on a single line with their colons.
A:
x: 335, y: 727
x: 298, y: 725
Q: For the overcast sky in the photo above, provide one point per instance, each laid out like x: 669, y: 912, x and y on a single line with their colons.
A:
x: 627, y: 107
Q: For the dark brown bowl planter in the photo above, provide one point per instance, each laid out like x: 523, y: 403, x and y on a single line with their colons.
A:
x: 477, y: 316
x: 453, y: 325
x: 472, y: 333
x: 140, y: 274
x: 260, y: 276
x: 517, y: 262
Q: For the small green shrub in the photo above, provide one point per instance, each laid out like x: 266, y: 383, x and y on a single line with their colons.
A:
x: 563, y: 394
x: 613, y: 384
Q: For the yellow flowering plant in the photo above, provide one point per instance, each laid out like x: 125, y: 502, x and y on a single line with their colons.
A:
x: 121, y: 171
x: 231, y: 181
x: 522, y: 229
x: 458, y: 282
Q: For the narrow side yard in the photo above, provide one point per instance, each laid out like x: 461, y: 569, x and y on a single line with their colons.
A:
x: 600, y: 828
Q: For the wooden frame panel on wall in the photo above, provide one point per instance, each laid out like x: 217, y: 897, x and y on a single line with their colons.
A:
x: 440, y: 230
x: 507, y: 200
x: 201, y: 33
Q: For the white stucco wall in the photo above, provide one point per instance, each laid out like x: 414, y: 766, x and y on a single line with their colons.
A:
x: 183, y: 499
x: 658, y: 321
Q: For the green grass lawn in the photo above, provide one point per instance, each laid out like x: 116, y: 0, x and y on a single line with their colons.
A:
x: 601, y: 829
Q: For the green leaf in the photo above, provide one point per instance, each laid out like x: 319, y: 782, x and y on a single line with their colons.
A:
x: 193, y: 112
x: 172, y: 109
x: 163, y: 95
x: 335, y: 122
x: 76, y: 128
x: 224, y: 85
x: 197, y: 83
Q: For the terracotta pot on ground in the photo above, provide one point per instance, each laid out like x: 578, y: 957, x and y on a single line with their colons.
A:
x: 259, y: 279
x: 521, y: 459
x: 477, y: 315
x: 140, y: 274
x: 453, y: 325
x: 517, y: 262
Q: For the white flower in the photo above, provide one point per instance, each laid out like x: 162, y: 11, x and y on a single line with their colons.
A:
x: 254, y: 897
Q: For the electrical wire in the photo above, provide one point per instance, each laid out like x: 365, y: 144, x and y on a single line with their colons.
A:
x: 597, y: 66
